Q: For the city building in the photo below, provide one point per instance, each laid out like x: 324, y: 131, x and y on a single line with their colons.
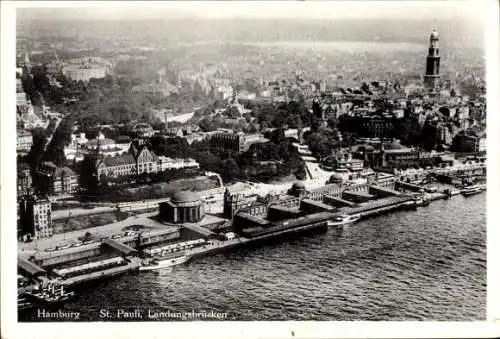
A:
x: 238, y: 142
x: 24, y: 180
x: 482, y: 143
x: 368, y: 126
x: 85, y: 69
x: 245, y: 96
x: 431, y: 78
x: 82, y: 73
x: 76, y: 148
x: 393, y: 155
x: 35, y: 218
x: 182, y: 208
x: 104, y: 146
x: 161, y: 89
x: 146, y: 160
x: 124, y: 142
x: 115, y: 166
x: 24, y: 141
x: 233, y: 202
x: 165, y: 163
x: 343, y: 160
x: 223, y: 92
x: 469, y: 142
x: 59, y: 180
x: 143, y: 130
x: 21, y: 99
x: 138, y: 160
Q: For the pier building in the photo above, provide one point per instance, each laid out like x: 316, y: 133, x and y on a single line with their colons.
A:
x: 183, y: 207
x: 337, y: 202
x: 277, y: 212
x: 382, y: 191
x: 312, y: 206
x: 118, y: 247
x: 28, y: 269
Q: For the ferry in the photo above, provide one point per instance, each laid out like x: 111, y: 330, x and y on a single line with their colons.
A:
x: 344, y: 220
x: 471, y: 190
x: 49, y: 296
x: 163, y: 262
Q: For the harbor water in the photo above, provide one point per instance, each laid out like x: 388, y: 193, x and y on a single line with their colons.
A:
x: 428, y: 264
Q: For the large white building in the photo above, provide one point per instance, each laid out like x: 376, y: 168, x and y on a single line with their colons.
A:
x: 165, y: 163
x: 104, y: 146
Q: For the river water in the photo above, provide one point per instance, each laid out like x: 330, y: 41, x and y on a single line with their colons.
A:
x: 428, y: 264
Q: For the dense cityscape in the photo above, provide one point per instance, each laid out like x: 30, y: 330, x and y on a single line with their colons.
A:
x: 137, y: 153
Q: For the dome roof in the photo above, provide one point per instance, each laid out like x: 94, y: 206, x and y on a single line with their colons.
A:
x: 184, y: 196
x: 434, y: 34
x: 299, y: 185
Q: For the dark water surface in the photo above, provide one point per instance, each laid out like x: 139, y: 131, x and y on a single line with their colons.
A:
x: 428, y: 264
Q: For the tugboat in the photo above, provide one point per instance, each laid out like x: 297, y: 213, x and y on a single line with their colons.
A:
x: 471, y: 190
x: 51, y: 295
x: 164, y: 262
x: 342, y: 220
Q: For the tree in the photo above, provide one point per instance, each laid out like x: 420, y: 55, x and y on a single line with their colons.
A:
x: 408, y: 130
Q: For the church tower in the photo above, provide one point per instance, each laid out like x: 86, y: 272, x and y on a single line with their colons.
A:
x: 432, y: 70
x: 27, y: 63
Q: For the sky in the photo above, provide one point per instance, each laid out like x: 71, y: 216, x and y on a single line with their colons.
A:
x: 126, y: 10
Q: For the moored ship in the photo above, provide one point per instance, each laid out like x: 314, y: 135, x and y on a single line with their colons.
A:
x: 49, y: 296
x: 163, y: 262
x: 342, y: 220
x: 422, y: 201
x: 471, y: 190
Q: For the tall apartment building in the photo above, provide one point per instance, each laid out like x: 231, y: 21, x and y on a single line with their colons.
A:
x: 24, y: 180
x: 35, y: 218
x: 24, y: 141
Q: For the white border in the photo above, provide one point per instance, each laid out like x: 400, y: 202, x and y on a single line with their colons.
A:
x: 11, y: 329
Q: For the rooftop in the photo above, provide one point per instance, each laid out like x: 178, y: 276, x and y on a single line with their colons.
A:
x: 185, y: 196
x: 102, y: 142
x: 125, y: 159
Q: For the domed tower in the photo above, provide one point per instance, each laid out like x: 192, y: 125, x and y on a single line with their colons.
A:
x: 432, y: 69
x: 298, y: 189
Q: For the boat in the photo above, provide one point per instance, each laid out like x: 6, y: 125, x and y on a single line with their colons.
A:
x: 23, y: 303
x: 49, y: 296
x: 471, y: 190
x: 344, y: 220
x: 163, y: 262
x: 421, y: 201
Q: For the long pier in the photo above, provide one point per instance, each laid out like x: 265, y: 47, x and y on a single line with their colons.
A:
x: 380, y: 206
x: 109, y: 272
x: 276, y: 229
